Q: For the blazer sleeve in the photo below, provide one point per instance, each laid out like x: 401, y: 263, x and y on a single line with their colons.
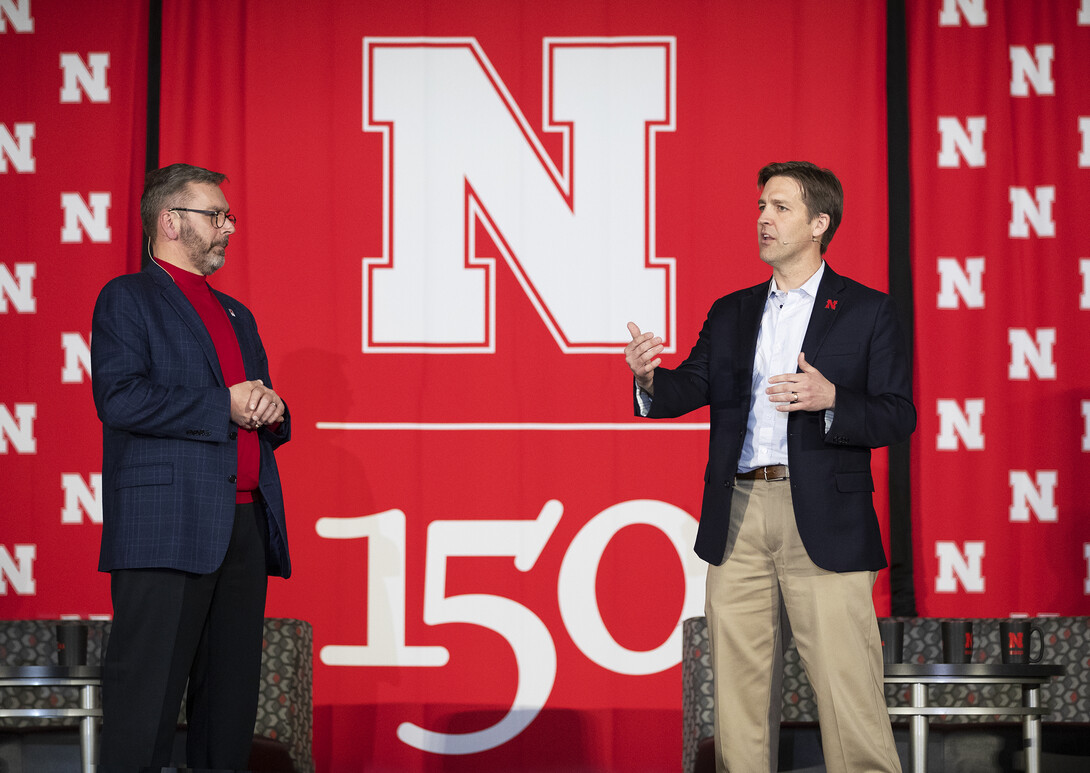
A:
x: 685, y: 388
x: 281, y: 433
x: 138, y: 392
x: 883, y: 413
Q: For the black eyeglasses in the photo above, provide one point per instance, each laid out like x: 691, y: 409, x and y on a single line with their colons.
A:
x: 218, y: 218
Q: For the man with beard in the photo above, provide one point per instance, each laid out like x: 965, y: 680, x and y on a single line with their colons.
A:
x: 193, y: 514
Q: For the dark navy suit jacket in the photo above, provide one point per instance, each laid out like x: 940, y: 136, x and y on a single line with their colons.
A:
x: 169, y: 456
x: 855, y: 340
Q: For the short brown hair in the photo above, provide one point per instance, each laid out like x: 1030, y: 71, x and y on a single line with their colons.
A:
x: 821, y: 191
x: 166, y: 187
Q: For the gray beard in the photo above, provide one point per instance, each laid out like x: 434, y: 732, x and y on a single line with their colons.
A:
x: 208, y: 262
x: 204, y: 256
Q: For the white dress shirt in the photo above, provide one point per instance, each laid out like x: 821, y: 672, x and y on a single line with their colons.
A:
x: 779, y: 342
x: 783, y: 326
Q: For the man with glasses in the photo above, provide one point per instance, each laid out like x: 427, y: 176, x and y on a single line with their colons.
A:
x: 193, y: 514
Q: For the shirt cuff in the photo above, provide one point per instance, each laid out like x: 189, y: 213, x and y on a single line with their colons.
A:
x: 643, y: 400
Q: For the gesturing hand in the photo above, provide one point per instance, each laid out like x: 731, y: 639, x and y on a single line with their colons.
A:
x: 806, y: 391
x: 641, y: 354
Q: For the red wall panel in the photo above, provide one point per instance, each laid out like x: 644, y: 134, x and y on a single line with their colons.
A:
x: 1000, y: 177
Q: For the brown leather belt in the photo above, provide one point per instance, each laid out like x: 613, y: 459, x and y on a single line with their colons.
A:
x: 772, y: 472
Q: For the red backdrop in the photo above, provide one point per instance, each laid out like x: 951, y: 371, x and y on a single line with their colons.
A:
x: 1001, y: 182
x: 72, y: 147
x: 447, y: 213
x: 441, y: 380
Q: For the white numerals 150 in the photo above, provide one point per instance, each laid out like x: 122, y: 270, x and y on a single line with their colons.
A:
x: 529, y: 638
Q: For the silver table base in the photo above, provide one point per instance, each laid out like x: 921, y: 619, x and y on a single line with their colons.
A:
x: 87, y: 678
x: 921, y: 675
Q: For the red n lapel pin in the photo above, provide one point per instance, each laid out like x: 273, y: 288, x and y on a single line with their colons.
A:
x: 830, y: 304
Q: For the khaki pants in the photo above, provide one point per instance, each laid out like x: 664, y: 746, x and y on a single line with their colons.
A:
x: 768, y: 573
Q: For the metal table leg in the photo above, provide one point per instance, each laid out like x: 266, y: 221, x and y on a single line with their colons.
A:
x: 917, y: 751
x: 1031, y: 728
x: 88, y: 737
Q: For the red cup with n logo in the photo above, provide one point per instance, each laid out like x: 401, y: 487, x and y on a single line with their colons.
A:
x: 1015, y: 641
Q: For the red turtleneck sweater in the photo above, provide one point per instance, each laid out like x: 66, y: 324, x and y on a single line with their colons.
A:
x: 197, y: 290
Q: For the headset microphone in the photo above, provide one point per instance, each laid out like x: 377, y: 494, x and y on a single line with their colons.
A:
x: 811, y: 239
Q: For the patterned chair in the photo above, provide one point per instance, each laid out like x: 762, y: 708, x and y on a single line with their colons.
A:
x: 284, y: 712
x: 1067, y: 643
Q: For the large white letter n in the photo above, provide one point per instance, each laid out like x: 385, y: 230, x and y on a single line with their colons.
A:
x: 458, y: 151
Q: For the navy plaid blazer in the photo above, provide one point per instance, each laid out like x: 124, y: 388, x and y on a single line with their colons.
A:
x: 169, y: 455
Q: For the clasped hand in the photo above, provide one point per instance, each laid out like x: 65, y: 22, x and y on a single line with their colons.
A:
x: 254, y: 405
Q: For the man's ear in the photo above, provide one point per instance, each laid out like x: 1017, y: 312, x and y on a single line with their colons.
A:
x: 168, y: 225
x: 821, y: 225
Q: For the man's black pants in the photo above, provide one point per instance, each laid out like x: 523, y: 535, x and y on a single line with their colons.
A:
x: 170, y: 627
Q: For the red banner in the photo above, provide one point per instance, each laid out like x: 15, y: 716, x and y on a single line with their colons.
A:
x: 446, y: 215
x: 1000, y: 182
x: 72, y: 147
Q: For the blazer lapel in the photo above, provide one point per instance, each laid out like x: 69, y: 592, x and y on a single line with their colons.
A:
x: 751, y: 311
x: 173, y: 295
x: 824, y: 314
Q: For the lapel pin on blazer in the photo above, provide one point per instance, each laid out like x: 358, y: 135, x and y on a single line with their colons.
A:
x: 830, y: 304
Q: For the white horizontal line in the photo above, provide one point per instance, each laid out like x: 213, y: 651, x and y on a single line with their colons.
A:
x: 508, y: 426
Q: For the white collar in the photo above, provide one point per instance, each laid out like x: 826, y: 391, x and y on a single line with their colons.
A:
x: 809, y: 287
